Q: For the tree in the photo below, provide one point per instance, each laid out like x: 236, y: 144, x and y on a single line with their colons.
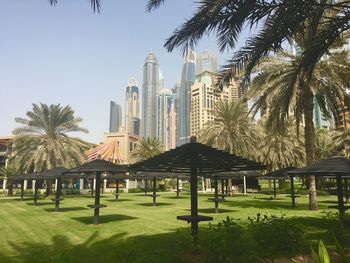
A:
x: 95, y: 4
x: 147, y: 148
x: 231, y: 129
x: 42, y: 142
x: 279, y: 146
x: 7, y: 173
x: 323, y: 144
x: 279, y: 88
x: 341, y: 142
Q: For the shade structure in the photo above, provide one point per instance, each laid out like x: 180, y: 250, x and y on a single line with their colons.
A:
x: 336, y: 166
x: 98, y: 167
x: 195, y: 159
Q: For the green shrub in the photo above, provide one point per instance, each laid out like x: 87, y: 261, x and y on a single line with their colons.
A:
x: 276, y: 236
x: 223, y: 238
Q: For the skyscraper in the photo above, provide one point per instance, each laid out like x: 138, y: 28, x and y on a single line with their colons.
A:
x: 150, y: 89
x: 115, y: 117
x: 171, y: 123
x: 184, y: 100
x: 163, y: 103
x: 132, y: 108
x: 206, y: 61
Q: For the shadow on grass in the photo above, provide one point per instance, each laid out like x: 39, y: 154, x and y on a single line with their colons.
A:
x: 212, y: 210
x: 104, y: 219
x: 66, y: 209
x: 40, y: 203
x: 174, y: 197
x: 119, y: 200
x: 157, y: 204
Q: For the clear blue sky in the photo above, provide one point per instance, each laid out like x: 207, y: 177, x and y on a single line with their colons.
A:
x: 69, y: 55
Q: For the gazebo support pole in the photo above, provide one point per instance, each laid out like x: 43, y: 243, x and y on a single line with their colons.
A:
x: 22, y: 190
x: 92, y: 187
x: 116, y: 189
x: 274, y: 188
x: 346, y: 191
x: 292, y: 190
x: 194, y: 205
x: 222, y: 189
x: 177, y: 187
x: 146, y: 186
x: 154, y: 191
x: 226, y: 187
x: 97, y: 197
x: 340, y: 196
x: 216, y: 200
x: 58, y: 194
x: 36, y: 192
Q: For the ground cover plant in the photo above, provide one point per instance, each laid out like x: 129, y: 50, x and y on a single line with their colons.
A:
x: 132, y: 230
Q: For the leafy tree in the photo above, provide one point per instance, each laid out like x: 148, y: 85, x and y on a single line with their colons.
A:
x: 323, y: 144
x: 341, y: 142
x: 231, y: 129
x: 42, y: 142
x: 280, y: 146
x: 147, y: 148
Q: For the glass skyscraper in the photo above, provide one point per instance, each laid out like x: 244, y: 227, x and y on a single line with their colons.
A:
x: 206, y: 61
x: 163, y: 105
x: 150, y: 90
x: 184, y: 97
x: 132, y: 108
x: 115, y: 117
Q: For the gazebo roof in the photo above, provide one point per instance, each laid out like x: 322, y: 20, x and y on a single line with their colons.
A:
x: 336, y: 165
x: 278, y: 174
x: 196, y: 155
x: 107, y: 151
x: 99, y: 166
x: 235, y: 174
x: 162, y: 175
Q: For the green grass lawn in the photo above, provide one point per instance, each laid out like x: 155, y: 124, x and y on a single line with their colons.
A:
x: 131, y: 229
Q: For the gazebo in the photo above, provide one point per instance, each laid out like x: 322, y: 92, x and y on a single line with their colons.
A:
x: 338, y: 167
x: 97, y: 167
x: 195, y: 158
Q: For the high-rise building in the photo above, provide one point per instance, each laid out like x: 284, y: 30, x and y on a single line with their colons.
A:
x: 171, y: 123
x: 150, y: 89
x: 115, y: 117
x: 206, y: 61
x: 132, y: 108
x: 163, y: 103
x: 184, y: 100
x: 204, y: 95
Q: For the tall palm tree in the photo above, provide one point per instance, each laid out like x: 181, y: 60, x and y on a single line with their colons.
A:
x: 42, y: 142
x: 280, y: 147
x: 147, y: 148
x: 231, y: 129
x: 280, y: 89
x: 95, y: 4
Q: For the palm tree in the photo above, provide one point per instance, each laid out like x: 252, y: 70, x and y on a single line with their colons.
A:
x: 95, y: 4
x: 280, y: 147
x: 323, y: 144
x: 42, y: 142
x: 231, y: 129
x: 341, y: 141
x: 8, y: 172
x: 147, y: 148
x: 282, y: 91
x: 278, y: 22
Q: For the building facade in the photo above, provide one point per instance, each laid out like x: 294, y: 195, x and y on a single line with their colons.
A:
x: 184, y: 98
x: 115, y: 117
x: 206, y: 61
x: 150, y: 87
x: 163, y: 102
x: 132, y: 108
x: 204, y: 95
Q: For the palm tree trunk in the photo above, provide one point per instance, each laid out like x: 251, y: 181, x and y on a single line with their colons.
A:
x: 309, y: 144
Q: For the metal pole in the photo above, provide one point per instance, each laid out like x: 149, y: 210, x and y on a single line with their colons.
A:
x: 346, y: 191
x: 222, y: 189
x: 216, y: 200
x: 194, y: 204
x: 274, y: 188
x: 340, y: 196
x: 177, y: 187
x: 292, y: 190
x: 244, y: 185
x: 58, y: 194
x: 97, y: 198
x: 154, y: 191
x: 22, y: 190
x: 117, y: 189
x: 36, y: 192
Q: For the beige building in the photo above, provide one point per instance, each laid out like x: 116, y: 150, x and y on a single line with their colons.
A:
x: 126, y: 142
x: 204, y: 95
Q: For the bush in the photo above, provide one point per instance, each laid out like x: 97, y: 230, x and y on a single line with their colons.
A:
x: 223, y: 238
x: 276, y: 236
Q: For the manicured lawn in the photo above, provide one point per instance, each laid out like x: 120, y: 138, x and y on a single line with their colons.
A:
x: 131, y: 230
